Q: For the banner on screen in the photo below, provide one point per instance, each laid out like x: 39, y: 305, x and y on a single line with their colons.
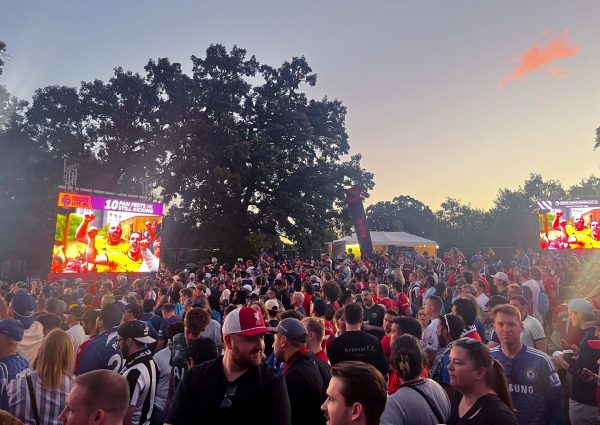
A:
x: 573, y: 224
x: 97, y: 234
x: 359, y: 218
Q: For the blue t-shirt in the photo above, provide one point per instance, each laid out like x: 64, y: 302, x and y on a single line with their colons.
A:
x: 155, y: 321
x: 162, y: 333
x: 12, y: 367
x: 102, y: 353
x: 178, y: 309
x: 534, y: 386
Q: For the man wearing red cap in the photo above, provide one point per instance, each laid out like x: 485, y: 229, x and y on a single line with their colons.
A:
x: 234, y: 385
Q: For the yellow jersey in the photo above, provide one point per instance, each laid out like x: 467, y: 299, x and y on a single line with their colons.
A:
x: 120, y: 262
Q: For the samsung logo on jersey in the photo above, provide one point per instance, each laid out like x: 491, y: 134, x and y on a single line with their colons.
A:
x: 522, y: 389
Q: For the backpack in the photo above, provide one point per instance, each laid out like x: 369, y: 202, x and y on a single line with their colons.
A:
x: 543, y: 301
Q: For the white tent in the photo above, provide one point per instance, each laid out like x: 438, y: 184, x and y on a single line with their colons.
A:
x: 383, y: 240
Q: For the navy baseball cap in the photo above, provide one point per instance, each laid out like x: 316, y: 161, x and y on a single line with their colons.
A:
x: 24, y: 306
x: 12, y: 328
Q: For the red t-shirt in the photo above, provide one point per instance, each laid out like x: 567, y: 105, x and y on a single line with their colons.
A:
x: 387, y: 349
x: 323, y: 356
x: 402, y: 303
x: 306, y: 303
x: 386, y: 302
x: 328, y: 336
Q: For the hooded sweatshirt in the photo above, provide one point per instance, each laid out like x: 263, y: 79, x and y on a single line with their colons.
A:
x: 32, y: 340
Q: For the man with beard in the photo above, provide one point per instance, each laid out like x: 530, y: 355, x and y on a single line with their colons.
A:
x: 113, y: 240
x: 306, y: 376
x: 232, y: 386
x: 115, y: 261
x: 140, y: 371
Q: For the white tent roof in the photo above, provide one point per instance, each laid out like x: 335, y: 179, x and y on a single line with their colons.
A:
x: 389, y: 239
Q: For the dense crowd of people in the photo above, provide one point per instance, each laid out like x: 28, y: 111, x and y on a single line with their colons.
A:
x: 394, y: 339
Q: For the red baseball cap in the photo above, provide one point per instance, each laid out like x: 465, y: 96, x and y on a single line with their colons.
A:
x: 244, y: 321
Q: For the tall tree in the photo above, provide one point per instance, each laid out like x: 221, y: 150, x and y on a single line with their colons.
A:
x: 246, y: 158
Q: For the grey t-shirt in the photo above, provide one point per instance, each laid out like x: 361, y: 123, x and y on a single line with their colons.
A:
x: 532, y: 331
x: 213, y: 331
x: 407, y: 406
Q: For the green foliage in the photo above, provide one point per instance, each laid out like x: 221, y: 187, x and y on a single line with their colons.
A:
x: 403, y: 213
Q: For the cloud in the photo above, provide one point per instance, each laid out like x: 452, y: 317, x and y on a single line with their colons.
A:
x: 539, y: 56
x: 558, y: 73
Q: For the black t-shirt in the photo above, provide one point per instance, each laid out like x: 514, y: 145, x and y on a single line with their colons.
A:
x: 374, y: 316
x: 487, y: 410
x: 360, y: 346
x: 269, y: 337
x: 260, y: 395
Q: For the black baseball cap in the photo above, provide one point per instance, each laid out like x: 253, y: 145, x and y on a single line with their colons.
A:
x: 135, y: 329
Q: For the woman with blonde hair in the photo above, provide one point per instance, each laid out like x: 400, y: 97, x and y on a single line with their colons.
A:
x: 40, y: 397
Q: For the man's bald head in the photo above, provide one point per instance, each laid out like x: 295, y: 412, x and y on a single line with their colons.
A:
x: 114, y: 233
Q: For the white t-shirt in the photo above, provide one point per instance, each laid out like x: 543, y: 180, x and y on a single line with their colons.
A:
x: 482, y: 299
x: 430, y: 336
x: 225, y: 295
x: 533, y: 331
x: 535, y: 291
x: 78, y: 336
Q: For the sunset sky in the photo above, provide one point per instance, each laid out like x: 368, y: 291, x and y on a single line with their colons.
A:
x: 444, y: 98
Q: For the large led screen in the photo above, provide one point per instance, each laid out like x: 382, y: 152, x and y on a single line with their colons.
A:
x: 569, y: 224
x: 97, y: 234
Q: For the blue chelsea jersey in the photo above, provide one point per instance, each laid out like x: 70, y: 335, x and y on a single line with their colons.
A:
x: 534, y: 386
x: 102, y: 353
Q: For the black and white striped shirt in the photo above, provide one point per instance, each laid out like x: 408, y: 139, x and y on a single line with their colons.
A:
x: 50, y: 402
x: 141, y: 373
